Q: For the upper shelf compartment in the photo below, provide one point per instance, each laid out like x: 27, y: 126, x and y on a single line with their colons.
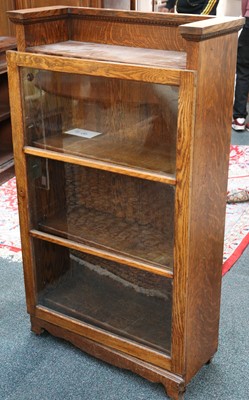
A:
x: 129, y: 125
x: 150, y: 37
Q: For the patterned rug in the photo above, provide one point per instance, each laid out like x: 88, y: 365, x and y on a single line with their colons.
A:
x: 237, y: 213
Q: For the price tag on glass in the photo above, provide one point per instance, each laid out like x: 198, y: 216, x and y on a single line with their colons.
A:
x: 84, y: 133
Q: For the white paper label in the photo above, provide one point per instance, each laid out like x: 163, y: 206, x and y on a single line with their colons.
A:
x: 84, y: 133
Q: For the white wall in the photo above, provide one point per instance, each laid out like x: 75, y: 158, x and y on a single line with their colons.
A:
x: 226, y: 7
x: 119, y: 4
x: 144, y: 5
x: 229, y: 7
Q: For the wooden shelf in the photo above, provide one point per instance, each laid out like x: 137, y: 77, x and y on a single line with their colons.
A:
x: 4, y: 112
x: 121, y: 54
x: 6, y: 159
x: 6, y: 43
x: 90, y: 227
x: 6, y: 165
x: 3, y: 67
x: 3, y: 64
x: 152, y: 159
x: 102, y: 299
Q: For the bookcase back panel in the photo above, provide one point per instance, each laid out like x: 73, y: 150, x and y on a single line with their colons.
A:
x: 144, y: 35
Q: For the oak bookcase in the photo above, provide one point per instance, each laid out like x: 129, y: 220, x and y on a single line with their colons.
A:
x: 121, y: 140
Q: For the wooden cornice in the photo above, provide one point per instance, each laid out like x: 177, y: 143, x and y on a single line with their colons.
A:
x: 203, y: 30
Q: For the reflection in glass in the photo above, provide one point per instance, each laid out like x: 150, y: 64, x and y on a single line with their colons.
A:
x: 128, y: 302
x: 129, y: 216
x: 118, y: 121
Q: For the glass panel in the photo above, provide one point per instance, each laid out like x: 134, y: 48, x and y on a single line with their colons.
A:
x: 125, y: 301
x: 123, y: 122
x: 105, y: 210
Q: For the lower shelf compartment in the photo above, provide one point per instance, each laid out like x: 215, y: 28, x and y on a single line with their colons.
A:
x: 124, y: 301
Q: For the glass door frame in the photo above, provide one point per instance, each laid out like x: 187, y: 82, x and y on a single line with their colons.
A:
x: 186, y: 80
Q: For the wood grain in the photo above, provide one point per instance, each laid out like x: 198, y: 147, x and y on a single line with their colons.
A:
x: 184, y: 171
x: 97, y: 68
x: 211, y: 141
x: 152, y: 176
x: 21, y: 176
x: 201, y: 30
x: 6, y: 28
x: 101, y: 253
x: 6, y: 43
x: 159, y: 32
x: 174, y: 385
x: 36, y: 13
x: 155, y: 160
x: 125, y: 346
x: 20, y: 4
x: 113, y: 53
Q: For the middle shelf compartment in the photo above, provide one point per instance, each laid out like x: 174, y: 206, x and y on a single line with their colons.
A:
x: 125, y: 215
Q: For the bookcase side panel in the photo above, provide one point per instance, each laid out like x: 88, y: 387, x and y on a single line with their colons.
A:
x: 40, y: 26
x: 216, y: 71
